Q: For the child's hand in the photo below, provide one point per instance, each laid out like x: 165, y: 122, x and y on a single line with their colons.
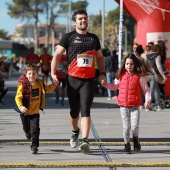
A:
x: 103, y: 83
x: 147, y: 104
x: 24, y: 110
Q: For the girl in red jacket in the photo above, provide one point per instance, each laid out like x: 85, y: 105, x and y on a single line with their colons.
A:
x: 130, y: 79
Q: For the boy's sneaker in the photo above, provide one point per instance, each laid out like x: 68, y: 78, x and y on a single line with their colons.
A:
x: 84, y: 147
x: 62, y: 103
x: 28, y: 135
x: 57, y: 100
x: 34, y: 150
x: 74, y: 141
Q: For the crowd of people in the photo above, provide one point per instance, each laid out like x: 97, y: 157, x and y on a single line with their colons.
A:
x: 76, y: 59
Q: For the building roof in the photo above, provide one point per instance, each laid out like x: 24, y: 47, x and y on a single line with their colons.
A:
x: 42, y: 40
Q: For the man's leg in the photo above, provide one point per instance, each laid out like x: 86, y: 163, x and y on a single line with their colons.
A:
x: 74, y: 102
x: 85, y: 126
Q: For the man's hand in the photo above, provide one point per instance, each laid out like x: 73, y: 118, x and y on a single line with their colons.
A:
x: 54, y: 80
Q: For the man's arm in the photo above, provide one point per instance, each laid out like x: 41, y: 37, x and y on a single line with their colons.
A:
x: 55, y: 61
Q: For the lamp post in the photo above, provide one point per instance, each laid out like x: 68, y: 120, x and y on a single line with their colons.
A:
x: 103, y: 22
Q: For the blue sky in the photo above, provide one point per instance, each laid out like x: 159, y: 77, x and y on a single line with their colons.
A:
x: 9, y: 24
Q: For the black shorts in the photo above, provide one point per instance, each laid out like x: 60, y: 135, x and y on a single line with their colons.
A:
x: 80, y: 95
x: 45, y: 72
x: 63, y: 81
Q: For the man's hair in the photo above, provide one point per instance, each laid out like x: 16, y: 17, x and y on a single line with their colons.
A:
x: 82, y: 11
x: 31, y: 67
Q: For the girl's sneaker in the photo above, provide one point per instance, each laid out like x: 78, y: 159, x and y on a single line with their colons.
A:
x: 136, y: 146
x: 127, y: 148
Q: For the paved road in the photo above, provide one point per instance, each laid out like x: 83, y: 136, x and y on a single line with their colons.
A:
x: 54, y: 150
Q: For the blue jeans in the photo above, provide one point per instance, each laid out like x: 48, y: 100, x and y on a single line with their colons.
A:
x: 109, y: 80
x: 154, y: 88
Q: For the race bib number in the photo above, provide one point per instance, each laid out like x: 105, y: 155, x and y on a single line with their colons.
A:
x: 60, y: 67
x: 45, y: 65
x: 84, y: 60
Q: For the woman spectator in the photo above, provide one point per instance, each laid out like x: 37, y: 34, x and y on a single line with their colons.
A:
x: 163, y: 59
x: 154, y: 59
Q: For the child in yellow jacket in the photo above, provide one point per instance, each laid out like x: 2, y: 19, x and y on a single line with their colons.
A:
x: 30, y: 98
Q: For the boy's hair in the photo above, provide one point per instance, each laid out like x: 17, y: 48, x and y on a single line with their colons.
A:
x: 78, y: 12
x: 140, y: 67
x: 31, y: 67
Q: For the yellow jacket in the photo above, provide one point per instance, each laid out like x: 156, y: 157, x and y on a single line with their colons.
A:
x: 37, y: 96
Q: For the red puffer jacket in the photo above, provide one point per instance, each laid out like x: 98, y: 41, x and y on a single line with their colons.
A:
x: 130, y: 92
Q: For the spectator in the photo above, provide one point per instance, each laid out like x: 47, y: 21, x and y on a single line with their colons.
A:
x: 163, y: 59
x: 154, y: 60
x: 3, y: 75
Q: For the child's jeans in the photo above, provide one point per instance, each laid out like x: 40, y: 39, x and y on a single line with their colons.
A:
x: 31, y: 123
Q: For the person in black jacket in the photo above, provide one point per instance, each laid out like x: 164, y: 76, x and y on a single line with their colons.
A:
x: 111, y: 68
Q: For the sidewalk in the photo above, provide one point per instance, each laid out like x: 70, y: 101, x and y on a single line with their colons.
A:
x: 54, y: 150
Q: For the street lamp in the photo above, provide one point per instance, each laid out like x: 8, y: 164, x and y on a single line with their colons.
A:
x: 103, y: 23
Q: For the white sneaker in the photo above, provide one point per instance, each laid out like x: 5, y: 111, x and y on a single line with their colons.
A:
x: 159, y: 109
x: 74, y: 141
x: 109, y: 98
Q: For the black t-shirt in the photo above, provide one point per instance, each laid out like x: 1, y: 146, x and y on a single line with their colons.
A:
x: 76, y: 43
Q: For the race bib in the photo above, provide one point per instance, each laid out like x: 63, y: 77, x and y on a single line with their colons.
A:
x: 60, y: 67
x: 84, y: 60
x: 45, y: 65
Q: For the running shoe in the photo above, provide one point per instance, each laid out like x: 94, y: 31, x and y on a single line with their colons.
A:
x: 84, y: 147
x: 34, y: 150
x: 57, y: 100
x: 127, y: 148
x: 62, y: 102
x: 74, y: 141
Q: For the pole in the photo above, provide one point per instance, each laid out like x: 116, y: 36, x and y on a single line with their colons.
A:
x: 103, y: 22
x: 70, y: 16
x: 52, y: 35
x: 120, y: 31
x: 125, y: 39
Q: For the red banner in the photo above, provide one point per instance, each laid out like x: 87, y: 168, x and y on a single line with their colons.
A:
x: 153, y: 24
